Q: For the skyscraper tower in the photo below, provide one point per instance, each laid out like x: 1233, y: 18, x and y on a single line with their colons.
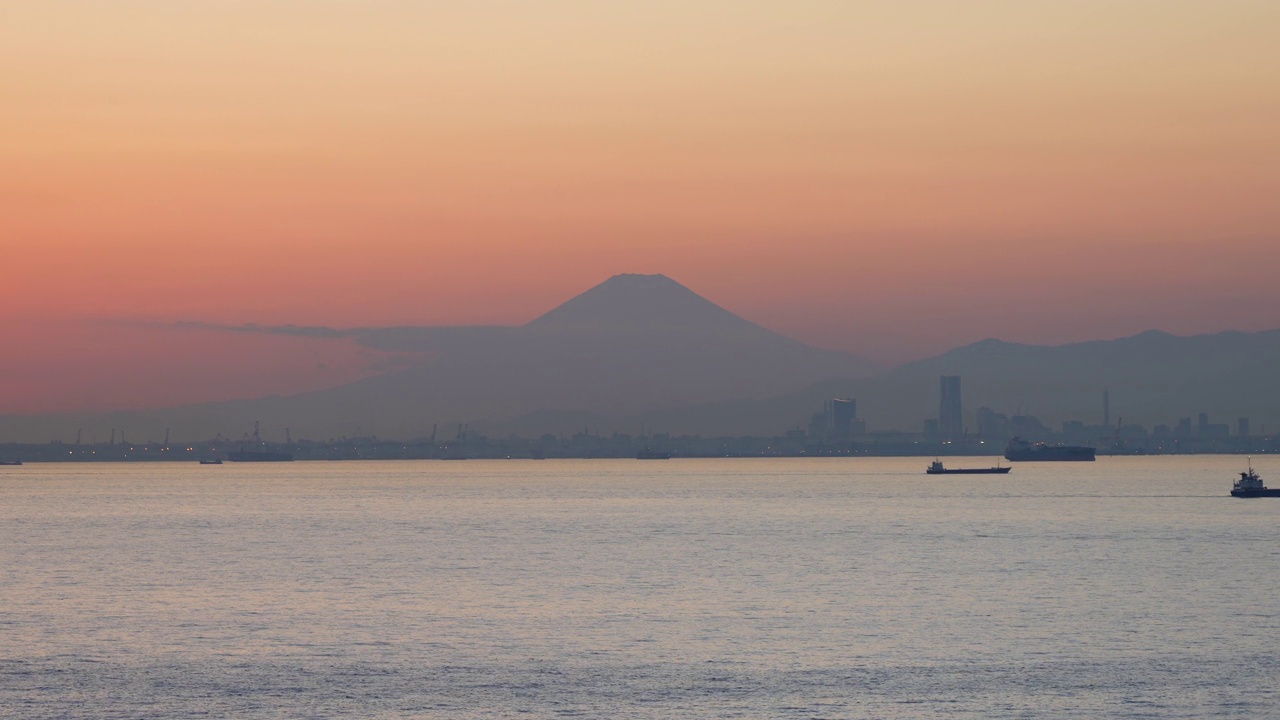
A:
x: 844, y: 411
x: 950, y: 420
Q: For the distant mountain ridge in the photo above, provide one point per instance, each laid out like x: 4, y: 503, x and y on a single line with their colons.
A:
x: 1152, y: 378
x: 644, y: 349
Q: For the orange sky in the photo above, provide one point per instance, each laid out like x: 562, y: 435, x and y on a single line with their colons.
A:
x: 892, y: 179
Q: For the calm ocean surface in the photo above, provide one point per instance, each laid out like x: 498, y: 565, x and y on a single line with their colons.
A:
x: 823, y: 588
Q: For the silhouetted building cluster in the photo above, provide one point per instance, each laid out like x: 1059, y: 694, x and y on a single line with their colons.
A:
x: 838, y: 421
x: 836, y: 430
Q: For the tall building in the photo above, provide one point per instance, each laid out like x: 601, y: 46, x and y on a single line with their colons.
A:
x: 950, y: 419
x: 844, y: 411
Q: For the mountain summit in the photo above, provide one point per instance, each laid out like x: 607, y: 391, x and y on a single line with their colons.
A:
x: 632, y: 302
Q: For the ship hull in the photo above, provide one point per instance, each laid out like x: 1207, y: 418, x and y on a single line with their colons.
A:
x: 970, y: 471
x: 1264, y: 492
x: 1052, y: 454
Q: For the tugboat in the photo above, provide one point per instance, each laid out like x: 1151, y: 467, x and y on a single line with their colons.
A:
x: 1250, y: 486
x: 936, y: 468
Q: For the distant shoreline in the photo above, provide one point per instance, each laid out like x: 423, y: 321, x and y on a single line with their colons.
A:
x: 27, y: 454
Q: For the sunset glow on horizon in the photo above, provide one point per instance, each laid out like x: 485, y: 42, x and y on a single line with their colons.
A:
x: 890, y: 179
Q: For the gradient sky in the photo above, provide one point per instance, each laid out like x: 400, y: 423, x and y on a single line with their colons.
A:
x: 892, y: 179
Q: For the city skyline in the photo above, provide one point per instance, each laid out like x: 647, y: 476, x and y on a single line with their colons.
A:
x: 835, y: 431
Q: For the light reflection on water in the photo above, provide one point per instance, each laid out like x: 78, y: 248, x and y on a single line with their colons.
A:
x: 1130, y: 587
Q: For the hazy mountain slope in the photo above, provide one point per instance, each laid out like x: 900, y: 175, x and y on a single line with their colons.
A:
x: 1153, y: 378
x: 632, y: 344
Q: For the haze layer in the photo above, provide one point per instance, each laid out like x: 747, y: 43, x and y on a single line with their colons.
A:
x: 889, y: 179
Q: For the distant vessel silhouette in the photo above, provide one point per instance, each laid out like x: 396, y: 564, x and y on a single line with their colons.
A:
x: 10, y: 462
x: 1250, y: 486
x: 243, y: 455
x: 936, y: 468
x: 647, y: 454
x: 211, y: 461
x: 1020, y: 450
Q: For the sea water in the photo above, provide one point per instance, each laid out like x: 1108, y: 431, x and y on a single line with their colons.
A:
x: 753, y: 588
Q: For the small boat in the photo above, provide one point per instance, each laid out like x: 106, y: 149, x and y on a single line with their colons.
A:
x: 1250, y: 486
x: 211, y: 461
x: 936, y: 468
x: 10, y: 462
x: 647, y: 454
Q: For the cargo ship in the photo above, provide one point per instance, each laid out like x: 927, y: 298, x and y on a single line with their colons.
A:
x: 1250, y: 486
x: 936, y: 468
x: 1020, y: 450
